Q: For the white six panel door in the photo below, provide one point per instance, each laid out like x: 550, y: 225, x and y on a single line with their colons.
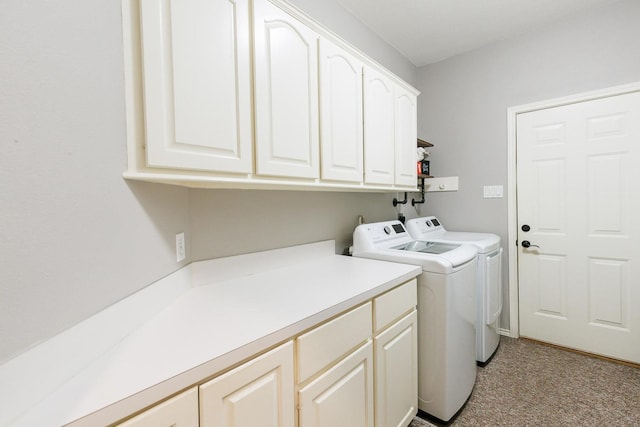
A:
x: 286, y: 94
x: 341, y: 111
x: 197, y: 101
x: 578, y: 168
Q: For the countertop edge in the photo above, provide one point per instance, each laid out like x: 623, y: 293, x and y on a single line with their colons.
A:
x: 42, y: 408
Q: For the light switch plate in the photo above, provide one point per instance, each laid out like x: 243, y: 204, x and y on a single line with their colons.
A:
x: 493, y: 191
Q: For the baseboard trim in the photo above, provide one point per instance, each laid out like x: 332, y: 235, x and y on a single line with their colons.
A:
x: 584, y: 353
x: 506, y: 333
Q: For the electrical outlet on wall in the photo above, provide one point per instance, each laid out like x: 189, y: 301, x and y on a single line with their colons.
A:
x: 181, y: 251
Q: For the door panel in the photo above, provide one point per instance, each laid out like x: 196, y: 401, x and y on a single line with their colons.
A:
x: 405, y: 137
x: 341, y: 111
x: 342, y: 396
x: 286, y: 94
x: 259, y: 392
x: 576, y: 167
x: 396, y: 374
x: 379, y: 128
x: 197, y: 101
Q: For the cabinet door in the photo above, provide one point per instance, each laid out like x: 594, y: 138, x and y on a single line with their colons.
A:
x: 196, y: 76
x: 258, y: 393
x: 396, y: 375
x: 406, y: 135
x: 379, y: 131
x: 286, y: 94
x: 342, y: 396
x: 341, y: 127
x: 179, y: 411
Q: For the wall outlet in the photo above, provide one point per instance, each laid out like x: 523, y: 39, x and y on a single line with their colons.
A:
x: 181, y: 251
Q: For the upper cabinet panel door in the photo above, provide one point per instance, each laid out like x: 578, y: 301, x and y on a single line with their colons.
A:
x: 341, y: 126
x: 379, y: 129
x: 196, y: 75
x: 405, y: 137
x: 286, y: 94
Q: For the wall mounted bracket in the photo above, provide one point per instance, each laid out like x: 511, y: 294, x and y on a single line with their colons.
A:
x: 421, y: 187
x: 397, y: 202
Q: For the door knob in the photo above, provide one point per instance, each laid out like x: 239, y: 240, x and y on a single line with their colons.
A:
x: 527, y: 244
x: 526, y: 228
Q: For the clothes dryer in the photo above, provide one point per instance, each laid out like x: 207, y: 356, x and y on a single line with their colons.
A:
x: 488, y: 280
x: 446, y: 311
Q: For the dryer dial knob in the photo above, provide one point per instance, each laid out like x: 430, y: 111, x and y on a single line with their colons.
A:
x: 387, y: 229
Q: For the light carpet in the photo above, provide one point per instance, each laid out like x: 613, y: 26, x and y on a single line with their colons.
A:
x: 532, y: 384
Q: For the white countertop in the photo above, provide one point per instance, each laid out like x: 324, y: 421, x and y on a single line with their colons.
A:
x: 230, y: 310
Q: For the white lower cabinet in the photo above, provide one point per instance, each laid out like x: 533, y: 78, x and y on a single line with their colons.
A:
x: 258, y: 393
x: 358, y: 369
x: 337, y: 358
x: 179, y: 411
x: 342, y: 396
x: 396, y: 373
x: 396, y: 355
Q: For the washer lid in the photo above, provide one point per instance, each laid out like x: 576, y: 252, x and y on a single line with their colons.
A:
x: 429, y: 228
x: 444, y: 263
x: 485, y: 242
x: 389, y: 241
x: 426, y: 247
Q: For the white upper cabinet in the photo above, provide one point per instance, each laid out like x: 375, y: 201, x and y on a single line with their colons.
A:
x: 286, y: 94
x: 255, y: 94
x: 405, y: 137
x: 196, y: 74
x: 379, y: 129
x: 341, y: 127
x: 390, y: 131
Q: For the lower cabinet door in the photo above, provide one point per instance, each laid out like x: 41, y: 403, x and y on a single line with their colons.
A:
x: 258, y: 393
x: 342, y: 396
x: 179, y: 411
x: 396, y: 373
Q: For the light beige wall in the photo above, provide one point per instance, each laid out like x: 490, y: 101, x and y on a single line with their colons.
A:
x: 464, y: 101
x: 229, y: 222
x: 74, y: 236
x: 330, y: 14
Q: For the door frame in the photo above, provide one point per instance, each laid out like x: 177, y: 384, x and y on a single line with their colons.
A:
x: 512, y: 194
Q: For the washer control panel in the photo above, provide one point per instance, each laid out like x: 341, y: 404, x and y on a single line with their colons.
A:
x: 383, y: 232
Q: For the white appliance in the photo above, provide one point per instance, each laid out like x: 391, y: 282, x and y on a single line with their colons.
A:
x: 488, y: 281
x: 446, y: 311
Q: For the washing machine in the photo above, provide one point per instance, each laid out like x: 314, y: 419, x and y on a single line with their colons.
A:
x: 446, y: 311
x: 488, y: 280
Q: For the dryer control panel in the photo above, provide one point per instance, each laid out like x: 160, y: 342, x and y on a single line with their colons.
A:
x: 427, y: 227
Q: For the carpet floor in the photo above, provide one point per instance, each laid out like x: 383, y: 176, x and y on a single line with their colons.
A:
x: 531, y: 384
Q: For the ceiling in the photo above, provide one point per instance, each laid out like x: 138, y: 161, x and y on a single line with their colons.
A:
x: 428, y: 31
